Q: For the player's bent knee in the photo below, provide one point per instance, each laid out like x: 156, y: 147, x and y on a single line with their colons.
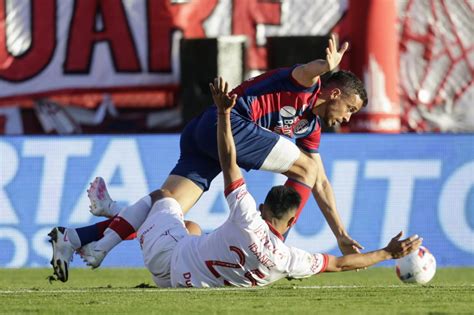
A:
x: 304, y: 169
x: 159, y: 194
x: 193, y: 228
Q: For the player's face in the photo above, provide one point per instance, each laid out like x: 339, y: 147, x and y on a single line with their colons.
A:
x: 340, y: 108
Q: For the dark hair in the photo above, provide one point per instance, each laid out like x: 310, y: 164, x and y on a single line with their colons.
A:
x: 281, y: 199
x: 349, y: 82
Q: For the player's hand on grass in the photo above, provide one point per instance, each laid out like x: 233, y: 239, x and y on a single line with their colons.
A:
x: 333, y: 55
x: 399, y: 248
x: 220, y: 95
x: 348, y: 246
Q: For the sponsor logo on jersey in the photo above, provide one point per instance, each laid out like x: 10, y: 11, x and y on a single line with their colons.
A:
x: 316, y: 263
x: 285, y: 124
x: 142, y: 237
x: 241, y: 194
x: 287, y: 112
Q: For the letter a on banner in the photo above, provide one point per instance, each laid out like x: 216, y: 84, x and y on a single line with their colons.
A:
x: 370, y: 27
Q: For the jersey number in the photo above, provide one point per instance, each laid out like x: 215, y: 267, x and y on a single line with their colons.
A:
x: 250, y: 275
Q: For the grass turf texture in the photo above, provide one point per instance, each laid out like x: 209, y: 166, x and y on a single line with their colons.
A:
x: 373, y: 291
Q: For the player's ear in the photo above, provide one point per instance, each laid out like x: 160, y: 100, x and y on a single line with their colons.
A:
x: 291, y: 221
x: 336, y: 93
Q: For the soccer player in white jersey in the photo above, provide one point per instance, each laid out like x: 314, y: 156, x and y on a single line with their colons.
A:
x: 248, y: 249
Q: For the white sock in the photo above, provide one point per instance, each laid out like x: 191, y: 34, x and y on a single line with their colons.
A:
x: 73, y: 238
x: 114, y: 209
x: 108, y: 241
x: 134, y: 215
x: 137, y: 213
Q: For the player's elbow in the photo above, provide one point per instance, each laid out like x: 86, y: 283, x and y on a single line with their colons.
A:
x: 321, y: 182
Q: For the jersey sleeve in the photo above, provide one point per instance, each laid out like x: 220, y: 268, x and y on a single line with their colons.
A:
x: 243, y: 208
x: 276, y: 80
x: 303, y: 264
x: 311, y: 142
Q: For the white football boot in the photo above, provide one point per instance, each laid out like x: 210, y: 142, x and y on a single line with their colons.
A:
x: 91, y: 256
x: 62, y: 252
x: 101, y: 203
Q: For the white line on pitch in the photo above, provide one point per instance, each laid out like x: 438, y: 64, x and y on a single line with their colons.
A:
x: 118, y: 290
x: 158, y: 290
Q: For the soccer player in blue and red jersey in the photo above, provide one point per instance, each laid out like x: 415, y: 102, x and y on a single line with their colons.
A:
x: 271, y: 108
x: 279, y: 105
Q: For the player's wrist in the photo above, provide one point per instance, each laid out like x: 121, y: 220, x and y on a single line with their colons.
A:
x: 386, y: 254
x: 341, y: 234
x: 223, y: 112
x: 327, y: 67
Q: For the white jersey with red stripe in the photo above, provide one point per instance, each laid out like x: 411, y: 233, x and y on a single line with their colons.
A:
x: 245, y: 251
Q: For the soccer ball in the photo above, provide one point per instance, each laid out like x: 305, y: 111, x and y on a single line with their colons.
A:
x: 418, y: 267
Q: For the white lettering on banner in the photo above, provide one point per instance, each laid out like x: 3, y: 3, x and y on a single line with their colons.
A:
x: 344, y: 178
x: 55, y: 154
x: 20, y: 245
x: 123, y: 155
x: 40, y: 243
x: 452, y: 205
x: 200, y: 212
x: 401, y: 176
x: 8, y: 170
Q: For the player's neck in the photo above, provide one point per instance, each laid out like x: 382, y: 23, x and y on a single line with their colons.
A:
x: 278, y: 225
x: 318, y: 108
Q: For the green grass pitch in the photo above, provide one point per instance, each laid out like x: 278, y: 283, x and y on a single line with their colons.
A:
x: 131, y: 291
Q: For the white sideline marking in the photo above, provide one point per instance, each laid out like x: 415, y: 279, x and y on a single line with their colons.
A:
x: 158, y: 290
x: 132, y: 290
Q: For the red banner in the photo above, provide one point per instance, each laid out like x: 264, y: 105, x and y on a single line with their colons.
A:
x: 371, y: 28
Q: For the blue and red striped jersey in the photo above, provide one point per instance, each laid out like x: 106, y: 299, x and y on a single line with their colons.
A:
x: 277, y: 102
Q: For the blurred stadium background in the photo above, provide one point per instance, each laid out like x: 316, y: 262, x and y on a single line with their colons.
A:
x: 103, y: 87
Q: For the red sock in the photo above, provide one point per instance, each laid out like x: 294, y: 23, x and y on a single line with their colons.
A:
x: 132, y: 236
x: 303, y: 190
x: 121, y: 227
x: 101, y: 226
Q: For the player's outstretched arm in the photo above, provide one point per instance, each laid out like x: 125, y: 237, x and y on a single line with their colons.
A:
x: 225, y: 140
x: 308, y: 74
x: 395, y: 249
x: 324, y: 196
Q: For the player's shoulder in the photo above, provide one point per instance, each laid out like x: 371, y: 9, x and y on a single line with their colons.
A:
x: 269, y: 75
x: 236, y: 188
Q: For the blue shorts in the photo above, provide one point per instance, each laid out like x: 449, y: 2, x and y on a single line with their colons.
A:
x: 199, y: 160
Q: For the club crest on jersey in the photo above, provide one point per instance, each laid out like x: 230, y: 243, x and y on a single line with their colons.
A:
x: 301, y: 127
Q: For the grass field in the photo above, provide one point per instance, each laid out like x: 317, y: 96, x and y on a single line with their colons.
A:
x: 131, y: 291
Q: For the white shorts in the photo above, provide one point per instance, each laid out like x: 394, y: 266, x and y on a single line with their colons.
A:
x: 158, y: 236
x: 283, y: 155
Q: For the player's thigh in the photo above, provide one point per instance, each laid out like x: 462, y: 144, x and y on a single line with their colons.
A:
x: 282, y: 157
x: 184, y: 190
x: 159, y: 235
x: 197, y: 169
x: 259, y: 148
